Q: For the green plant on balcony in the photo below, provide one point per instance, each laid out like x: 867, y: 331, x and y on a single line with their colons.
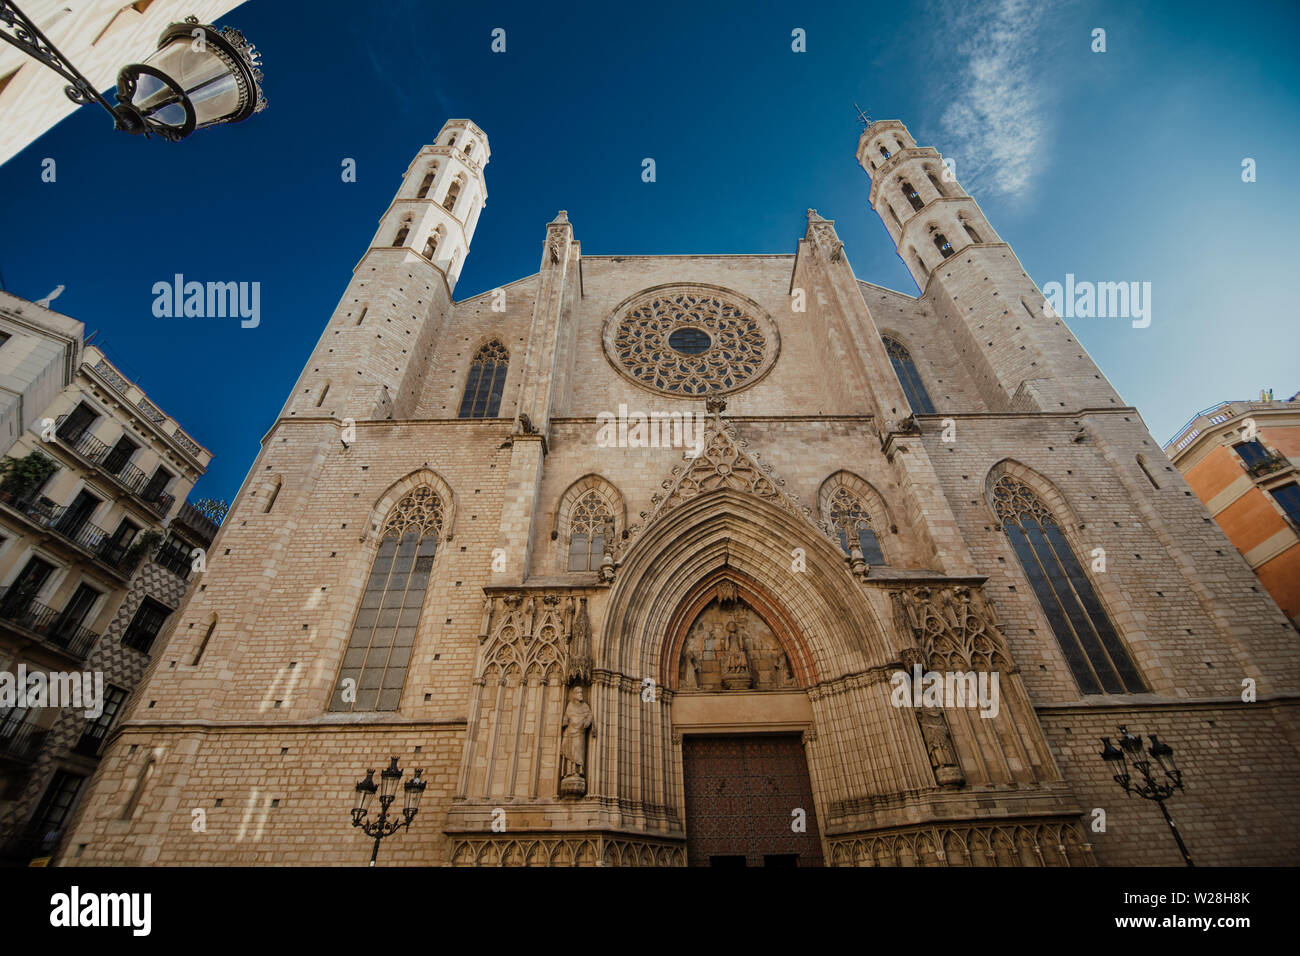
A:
x: 1266, y: 466
x: 19, y: 476
x: 143, y: 544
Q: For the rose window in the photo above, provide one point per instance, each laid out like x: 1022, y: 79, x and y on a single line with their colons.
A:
x: 691, y: 341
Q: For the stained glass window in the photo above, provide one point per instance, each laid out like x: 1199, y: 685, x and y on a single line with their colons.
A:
x: 908, y: 376
x: 1093, y: 650
x: 486, y: 382
x: 589, y: 524
x: 383, y: 634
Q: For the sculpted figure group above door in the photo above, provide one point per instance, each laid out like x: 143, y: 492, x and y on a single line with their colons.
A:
x: 729, y: 648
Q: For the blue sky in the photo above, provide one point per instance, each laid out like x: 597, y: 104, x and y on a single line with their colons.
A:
x: 1115, y: 166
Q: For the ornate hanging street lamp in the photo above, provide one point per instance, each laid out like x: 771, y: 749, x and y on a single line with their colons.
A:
x: 199, y: 76
x: 382, y: 826
x: 1158, y: 785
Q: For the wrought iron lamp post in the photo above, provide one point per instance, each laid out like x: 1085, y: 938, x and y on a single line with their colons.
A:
x: 1158, y: 785
x: 199, y: 76
x: 384, y: 826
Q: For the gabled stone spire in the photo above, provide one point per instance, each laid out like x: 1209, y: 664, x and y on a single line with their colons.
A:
x: 723, y: 462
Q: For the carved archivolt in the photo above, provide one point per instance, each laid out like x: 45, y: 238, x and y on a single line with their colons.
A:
x: 952, y: 628
x: 1053, y: 843
x: 691, y: 340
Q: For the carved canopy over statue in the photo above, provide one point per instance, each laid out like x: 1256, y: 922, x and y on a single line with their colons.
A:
x: 730, y: 647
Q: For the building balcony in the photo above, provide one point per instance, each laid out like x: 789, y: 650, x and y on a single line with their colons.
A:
x: 109, y: 461
x: 21, y: 740
x: 51, y: 627
x: 1268, y: 466
x: 90, y: 538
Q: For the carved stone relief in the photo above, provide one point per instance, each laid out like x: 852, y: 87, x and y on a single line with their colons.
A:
x: 730, y: 647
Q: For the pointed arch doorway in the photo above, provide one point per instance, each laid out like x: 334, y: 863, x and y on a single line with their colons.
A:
x: 741, y: 714
x: 748, y: 801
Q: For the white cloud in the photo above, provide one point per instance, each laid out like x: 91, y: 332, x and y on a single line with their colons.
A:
x: 997, y: 121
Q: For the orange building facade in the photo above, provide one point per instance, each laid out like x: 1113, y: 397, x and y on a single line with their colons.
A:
x: 1240, y: 458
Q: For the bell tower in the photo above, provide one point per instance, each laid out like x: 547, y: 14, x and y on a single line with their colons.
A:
x: 927, y: 213
x: 371, y: 357
x: 436, y: 211
x: 1022, y: 357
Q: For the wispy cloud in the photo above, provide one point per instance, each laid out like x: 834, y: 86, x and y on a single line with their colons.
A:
x: 403, y: 60
x: 997, y: 121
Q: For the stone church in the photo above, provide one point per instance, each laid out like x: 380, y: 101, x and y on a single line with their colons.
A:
x: 632, y: 556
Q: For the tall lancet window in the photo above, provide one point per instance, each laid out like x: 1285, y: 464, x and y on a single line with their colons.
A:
x: 911, y: 195
x: 908, y: 376
x: 1095, y: 654
x: 379, y: 651
x: 431, y: 247
x: 449, y: 201
x: 852, y: 524
x: 426, y: 183
x: 486, y: 382
x: 590, y: 524
x: 402, y: 231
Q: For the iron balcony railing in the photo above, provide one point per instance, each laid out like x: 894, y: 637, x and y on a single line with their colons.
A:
x: 1268, y: 465
x: 21, y: 740
x: 72, y: 526
x: 55, y: 628
x: 114, y: 464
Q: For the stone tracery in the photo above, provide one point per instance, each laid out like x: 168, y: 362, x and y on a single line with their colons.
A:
x: 739, y: 345
x: 419, y: 511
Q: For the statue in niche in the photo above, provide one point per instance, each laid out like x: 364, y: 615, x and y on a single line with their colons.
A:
x: 784, y: 674
x: 736, y: 674
x: 573, y: 744
x: 938, y: 745
x: 690, y: 667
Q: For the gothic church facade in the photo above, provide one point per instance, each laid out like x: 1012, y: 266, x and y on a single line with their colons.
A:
x: 627, y: 554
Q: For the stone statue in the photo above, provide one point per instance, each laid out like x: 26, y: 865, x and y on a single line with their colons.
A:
x: 690, y: 667
x: 573, y: 744
x: 938, y: 745
x: 736, y: 674
x: 784, y: 674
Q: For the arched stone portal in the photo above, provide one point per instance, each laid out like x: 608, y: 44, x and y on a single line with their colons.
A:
x: 735, y: 656
x: 741, y: 716
x: 740, y: 641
